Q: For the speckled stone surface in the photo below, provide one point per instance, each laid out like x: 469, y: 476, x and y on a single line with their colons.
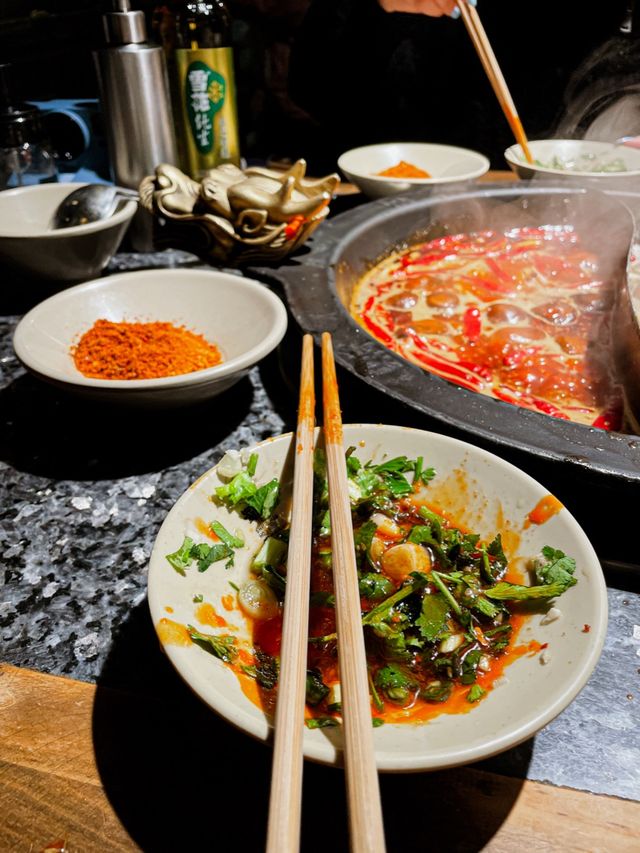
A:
x: 83, y: 490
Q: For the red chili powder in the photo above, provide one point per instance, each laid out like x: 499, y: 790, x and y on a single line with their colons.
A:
x: 141, y: 351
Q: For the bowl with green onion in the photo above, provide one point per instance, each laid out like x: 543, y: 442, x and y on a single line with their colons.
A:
x: 574, y: 159
x: 484, y: 607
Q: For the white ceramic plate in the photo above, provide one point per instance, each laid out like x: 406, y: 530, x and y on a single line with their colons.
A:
x: 446, y: 164
x: 240, y: 316
x: 487, y: 494
x: 584, y: 154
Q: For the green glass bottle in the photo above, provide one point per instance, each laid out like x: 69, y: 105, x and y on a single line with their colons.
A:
x: 197, y: 38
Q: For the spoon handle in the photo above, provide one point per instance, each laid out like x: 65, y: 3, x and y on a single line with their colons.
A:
x: 126, y: 192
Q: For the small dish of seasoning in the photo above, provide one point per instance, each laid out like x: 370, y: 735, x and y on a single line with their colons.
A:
x: 388, y: 168
x: 164, y: 337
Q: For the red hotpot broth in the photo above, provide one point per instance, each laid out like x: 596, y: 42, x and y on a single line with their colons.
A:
x: 522, y: 316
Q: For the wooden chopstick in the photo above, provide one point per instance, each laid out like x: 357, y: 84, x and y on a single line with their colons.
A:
x: 490, y: 64
x: 283, y: 835
x: 363, y: 791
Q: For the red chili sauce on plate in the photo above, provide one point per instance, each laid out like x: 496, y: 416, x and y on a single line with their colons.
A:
x: 323, y: 657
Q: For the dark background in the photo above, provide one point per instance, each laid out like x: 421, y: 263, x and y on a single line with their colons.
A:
x: 350, y: 74
x: 49, y: 45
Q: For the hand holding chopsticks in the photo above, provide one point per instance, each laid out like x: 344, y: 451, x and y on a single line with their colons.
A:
x: 363, y: 793
x: 490, y: 64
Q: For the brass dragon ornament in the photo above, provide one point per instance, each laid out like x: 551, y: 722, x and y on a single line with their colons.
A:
x: 235, y: 216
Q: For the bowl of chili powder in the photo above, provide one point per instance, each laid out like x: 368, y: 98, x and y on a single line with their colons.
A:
x: 166, y: 337
x: 389, y: 168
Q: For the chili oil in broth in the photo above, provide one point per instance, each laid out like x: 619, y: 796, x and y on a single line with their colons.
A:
x: 521, y: 316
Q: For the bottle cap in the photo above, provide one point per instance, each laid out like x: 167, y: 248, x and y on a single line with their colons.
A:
x: 123, y: 25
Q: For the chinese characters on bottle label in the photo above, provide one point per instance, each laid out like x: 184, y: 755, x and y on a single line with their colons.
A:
x: 207, y: 92
x: 205, y: 96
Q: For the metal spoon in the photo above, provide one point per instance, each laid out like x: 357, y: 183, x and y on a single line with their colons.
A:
x: 89, y: 203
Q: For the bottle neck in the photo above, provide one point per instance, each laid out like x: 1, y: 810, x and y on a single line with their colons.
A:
x: 203, y: 25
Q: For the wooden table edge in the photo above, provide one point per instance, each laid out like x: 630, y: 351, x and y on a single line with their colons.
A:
x: 46, y: 745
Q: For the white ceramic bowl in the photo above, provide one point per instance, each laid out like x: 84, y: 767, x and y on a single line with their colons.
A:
x: 28, y: 244
x: 580, y: 157
x: 446, y: 163
x: 483, y: 492
x: 240, y: 316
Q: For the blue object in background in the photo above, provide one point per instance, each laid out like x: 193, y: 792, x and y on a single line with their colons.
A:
x: 74, y: 128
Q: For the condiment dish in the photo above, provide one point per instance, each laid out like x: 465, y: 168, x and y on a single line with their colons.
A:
x: 479, y: 491
x: 30, y: 243
x: 238, y: 315
x: 446, y: 164
x: 576, y: 159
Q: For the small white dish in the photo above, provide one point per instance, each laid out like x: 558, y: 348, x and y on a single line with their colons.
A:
x: 575, y: 158
x: 30, y: 245
x: 481, y: 491
x: 240, y: 316
x: 446, y: 164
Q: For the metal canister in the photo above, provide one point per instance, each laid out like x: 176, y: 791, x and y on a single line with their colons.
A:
x: 134, y: 93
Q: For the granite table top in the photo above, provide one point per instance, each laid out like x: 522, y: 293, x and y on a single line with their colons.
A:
x: 84, y: 489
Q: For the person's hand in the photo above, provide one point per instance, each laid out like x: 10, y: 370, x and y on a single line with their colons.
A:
x: 434, y: 8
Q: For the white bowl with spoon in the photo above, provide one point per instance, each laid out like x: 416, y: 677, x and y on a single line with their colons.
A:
x: 30, y: 244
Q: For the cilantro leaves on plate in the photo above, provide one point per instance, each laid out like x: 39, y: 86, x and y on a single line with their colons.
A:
x: 205, y: 554
x: 222, y: 647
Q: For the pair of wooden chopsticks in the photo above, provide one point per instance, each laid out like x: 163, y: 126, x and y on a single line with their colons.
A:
x: 489, y: 62
x: 363, y: 792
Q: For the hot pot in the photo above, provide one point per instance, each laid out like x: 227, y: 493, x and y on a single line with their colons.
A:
x: 319, y: 283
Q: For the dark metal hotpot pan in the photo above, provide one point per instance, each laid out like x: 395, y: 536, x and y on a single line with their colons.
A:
x: 319, y: 283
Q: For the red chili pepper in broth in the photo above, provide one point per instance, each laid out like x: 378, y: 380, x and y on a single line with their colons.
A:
x: 477, y: 369
x: 440, y: 370
x: 387, y: 317
x: 611, y: 420
x: 530, y: 403
x: 378, y: 332
x: 473, y: 367
x: 382, y: 288
x: 421, y: 260
x: 549, y: 409
x: 497, y: 270
x: 523, y: 248
x: 471, y: 324
x: 508, y: 398
x: 542, y: 406
x: 463, y: 376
